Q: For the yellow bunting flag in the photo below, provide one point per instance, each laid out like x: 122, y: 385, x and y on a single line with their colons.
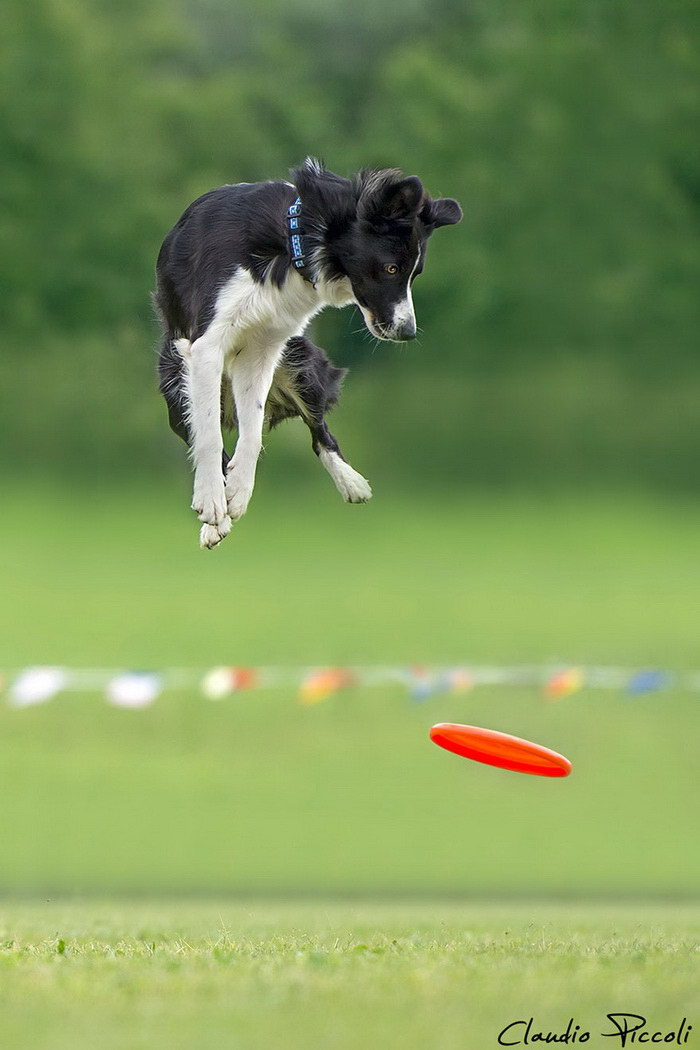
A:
x: 318, y: 685
x: 460, y: 681
x: 563, y: 683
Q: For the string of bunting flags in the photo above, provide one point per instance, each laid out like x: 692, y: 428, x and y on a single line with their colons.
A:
x: 137, y: 689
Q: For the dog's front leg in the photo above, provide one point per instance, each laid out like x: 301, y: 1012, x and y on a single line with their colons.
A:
x: 204, y: 416
x: 251, y: 377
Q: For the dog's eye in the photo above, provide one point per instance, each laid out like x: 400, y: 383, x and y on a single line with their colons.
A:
x: 391, y: 268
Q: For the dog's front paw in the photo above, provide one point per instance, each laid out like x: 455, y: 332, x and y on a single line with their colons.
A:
x: 210, y: 536
x: 209, y: 501
x: 238, y: 494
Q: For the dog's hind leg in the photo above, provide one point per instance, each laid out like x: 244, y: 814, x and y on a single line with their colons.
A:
x: 349, y: 483
x: 314, y: 388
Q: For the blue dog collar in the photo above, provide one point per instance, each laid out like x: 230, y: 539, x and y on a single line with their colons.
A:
x: 296, y: 240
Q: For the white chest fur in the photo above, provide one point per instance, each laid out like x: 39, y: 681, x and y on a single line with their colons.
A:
x: 249, y: 312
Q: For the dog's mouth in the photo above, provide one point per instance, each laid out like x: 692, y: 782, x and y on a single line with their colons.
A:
x: 381, y: 331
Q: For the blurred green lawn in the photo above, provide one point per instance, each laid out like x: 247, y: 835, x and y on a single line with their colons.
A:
x: 256, y: 794
x: 334, y: 975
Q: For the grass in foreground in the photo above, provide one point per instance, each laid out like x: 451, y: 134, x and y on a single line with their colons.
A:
x: 331, y: 975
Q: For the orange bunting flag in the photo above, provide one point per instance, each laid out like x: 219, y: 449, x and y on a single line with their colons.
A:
x: 319, y: 685
x: 564, y: 683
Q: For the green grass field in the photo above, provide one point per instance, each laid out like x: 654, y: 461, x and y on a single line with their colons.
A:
x: 212, y: 874
x: 333, y: 975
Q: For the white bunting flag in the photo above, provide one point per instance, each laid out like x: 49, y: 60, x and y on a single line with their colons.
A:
x: 36, y: 685
x: 134, y: 689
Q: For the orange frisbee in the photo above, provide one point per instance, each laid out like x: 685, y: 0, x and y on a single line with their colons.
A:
x: 500, y: 749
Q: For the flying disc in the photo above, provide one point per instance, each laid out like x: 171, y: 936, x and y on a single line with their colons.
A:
x: 500, y: 749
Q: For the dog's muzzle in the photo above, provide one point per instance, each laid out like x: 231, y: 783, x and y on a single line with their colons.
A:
x: 400, y: 330
x: 395, y: 333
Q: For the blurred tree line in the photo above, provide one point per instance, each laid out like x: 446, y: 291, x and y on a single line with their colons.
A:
x: 560, y: 317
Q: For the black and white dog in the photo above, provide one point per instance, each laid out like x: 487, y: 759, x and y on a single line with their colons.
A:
x: 238, y: 280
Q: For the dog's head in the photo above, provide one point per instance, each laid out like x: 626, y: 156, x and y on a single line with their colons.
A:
x: 375, y: 232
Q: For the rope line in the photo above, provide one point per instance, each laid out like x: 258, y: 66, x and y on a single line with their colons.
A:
x: 25, y: 687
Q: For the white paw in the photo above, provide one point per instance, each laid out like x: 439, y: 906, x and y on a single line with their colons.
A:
x: 351, y: 485
x: 211, y: 535
x: 209, y: 500
x: 238, y: 495
x: 354, y: 488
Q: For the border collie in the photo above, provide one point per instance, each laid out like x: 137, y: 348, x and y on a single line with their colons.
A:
x: 237, y: 281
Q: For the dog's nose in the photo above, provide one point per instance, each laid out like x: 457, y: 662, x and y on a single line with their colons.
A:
x: 406, y: 331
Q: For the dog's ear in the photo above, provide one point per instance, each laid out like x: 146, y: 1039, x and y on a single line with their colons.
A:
x: 384, y: 198
x: 445, y: 211
x: 403, y: 200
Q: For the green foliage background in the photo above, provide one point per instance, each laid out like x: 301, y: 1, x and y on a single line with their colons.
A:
x: 560, y: 318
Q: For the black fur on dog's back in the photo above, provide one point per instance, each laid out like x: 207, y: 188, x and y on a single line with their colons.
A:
x: 229, y: 227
